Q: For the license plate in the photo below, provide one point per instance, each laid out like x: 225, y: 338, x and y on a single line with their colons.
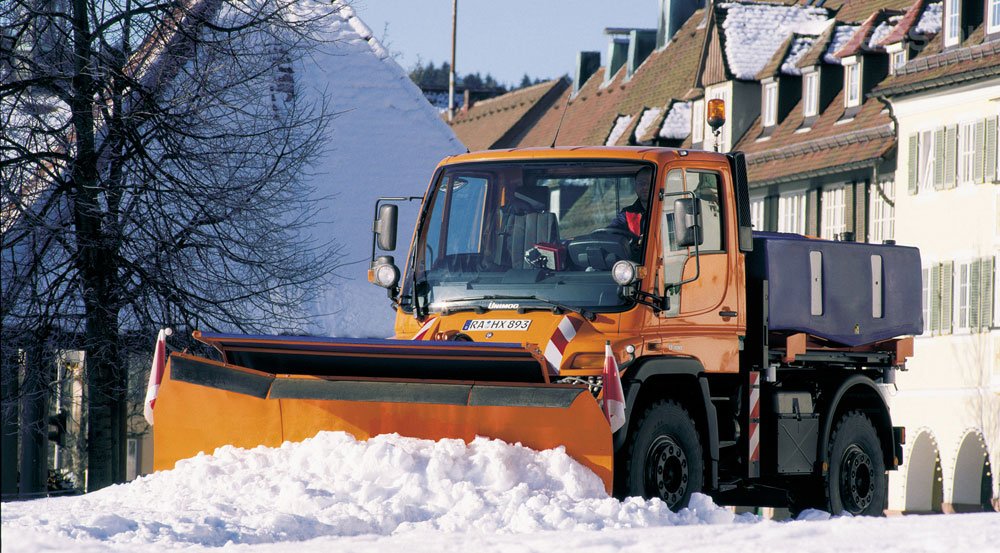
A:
x: 497, y: 324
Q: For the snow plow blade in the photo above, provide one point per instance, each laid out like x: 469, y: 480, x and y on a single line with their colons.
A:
x: 272, y: 389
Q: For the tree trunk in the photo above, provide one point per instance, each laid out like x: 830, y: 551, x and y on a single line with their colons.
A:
x: 8, y: 434
x: 34, y: 421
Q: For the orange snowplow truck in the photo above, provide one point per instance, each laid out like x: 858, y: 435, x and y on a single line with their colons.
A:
x: 753, y: 364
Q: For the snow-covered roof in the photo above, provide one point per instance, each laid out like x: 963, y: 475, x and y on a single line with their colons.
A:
x: 677, y: 123
x: 754, y: 31
x: 842, y: 34
x: 621, y: 124
x: 647, y: 120
x: 882, y: 31
x: 800, y: 45
x: 930, y: 20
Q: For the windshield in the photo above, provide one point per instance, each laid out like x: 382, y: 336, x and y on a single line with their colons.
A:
x: 537, y: 232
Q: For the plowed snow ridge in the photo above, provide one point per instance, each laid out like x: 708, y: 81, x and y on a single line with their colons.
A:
x: 334, y: 485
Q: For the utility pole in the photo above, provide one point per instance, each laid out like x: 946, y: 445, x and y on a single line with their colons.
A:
x: 451, y: 75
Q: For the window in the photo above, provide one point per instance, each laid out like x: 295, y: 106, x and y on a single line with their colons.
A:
x: 882, y: 225
x: 770, y: 104
x: 994, y: 16
x: 966, y: 152
x: 757, y: 214
x: 810, y: 106
x: 962, y: 296
x: 953, y: 22
x: 792, y: 213
x: 698, y: 122
x: 833, y: 213
x: 896, y: 61
x: 853, y: 80
x: 926, y: 161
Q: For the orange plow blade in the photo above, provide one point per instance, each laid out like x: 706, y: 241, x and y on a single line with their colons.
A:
x: 204, y: 404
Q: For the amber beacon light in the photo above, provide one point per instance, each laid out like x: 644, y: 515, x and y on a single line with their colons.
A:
x: 716, y: 113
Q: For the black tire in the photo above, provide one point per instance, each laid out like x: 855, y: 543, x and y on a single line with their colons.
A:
x: 663, y: 458
x: 856, y: 482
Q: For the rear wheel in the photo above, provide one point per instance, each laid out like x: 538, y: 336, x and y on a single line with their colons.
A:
x: 664, y: 458
x: 857, y: 481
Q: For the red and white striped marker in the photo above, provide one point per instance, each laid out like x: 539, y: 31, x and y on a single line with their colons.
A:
x: 614, y: 397
x: 561, y: 338
x: 754, y: 425
x: 156, y: 374
x: 425, y: 331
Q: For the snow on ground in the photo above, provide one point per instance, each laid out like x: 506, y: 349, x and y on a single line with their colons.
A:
x: 333, y: 493
x: 385, y: 140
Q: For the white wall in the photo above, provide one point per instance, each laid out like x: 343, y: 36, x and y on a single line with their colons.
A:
x: 949, y: 399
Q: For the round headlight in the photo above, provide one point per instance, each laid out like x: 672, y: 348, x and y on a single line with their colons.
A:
x: 624, y: 272
x: 386, y: 275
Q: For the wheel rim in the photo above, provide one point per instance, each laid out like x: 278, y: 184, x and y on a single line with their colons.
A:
x: 857, y: 480
x: 666, y: 471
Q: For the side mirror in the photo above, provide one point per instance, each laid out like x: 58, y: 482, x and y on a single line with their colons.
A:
x: 687, y: 222
x: 385, y: 226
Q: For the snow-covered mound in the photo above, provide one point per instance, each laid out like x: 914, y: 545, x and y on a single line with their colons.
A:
x: 334, y: 485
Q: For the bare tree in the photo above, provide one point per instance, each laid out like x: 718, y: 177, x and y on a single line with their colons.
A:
x: 152, y: 156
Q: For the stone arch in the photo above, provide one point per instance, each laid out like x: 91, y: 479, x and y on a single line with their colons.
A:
x: 973, y: 475
x: 924, y: 486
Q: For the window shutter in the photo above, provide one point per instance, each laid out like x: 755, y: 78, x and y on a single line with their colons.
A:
x: 974, y: 295
x: 979, y: 162
x: 935, y: 297
x: 986, y: 298
x: 991, y: 150
x: 947, y: 288
x: 950, y: 155
x: 939, y: 159
x: 913, y: 164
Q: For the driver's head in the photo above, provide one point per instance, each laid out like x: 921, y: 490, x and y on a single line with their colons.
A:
x: 643, y: 181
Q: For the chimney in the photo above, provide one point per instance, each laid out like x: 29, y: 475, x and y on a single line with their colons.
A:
x: 587, y: 64
x: 641, y: 43
x: 617, y: 51
x: 466, y: 101
x: 673, y: 14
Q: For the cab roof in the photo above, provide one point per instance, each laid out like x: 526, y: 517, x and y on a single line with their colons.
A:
x: 631, y: 153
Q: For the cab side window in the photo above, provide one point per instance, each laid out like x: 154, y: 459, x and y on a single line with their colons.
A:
x: 705, y: 186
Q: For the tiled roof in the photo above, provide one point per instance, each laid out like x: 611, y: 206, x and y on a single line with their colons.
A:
x: 902, y: 28
x: 859, y: 40
x: 587, y: 117
x: 814, y: 56
x: 752, y: 31
x: 856, y: 11
x: 489, y: 122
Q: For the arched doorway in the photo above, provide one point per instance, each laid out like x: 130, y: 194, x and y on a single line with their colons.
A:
x: 924, y: 486
x: 973, y: 476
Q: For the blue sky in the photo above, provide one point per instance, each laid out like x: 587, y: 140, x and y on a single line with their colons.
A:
x: 506, y: 38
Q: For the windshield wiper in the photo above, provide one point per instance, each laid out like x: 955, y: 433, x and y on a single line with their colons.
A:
x: 557, y: 307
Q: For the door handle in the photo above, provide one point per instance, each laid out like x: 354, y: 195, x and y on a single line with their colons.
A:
x: 727, y: 314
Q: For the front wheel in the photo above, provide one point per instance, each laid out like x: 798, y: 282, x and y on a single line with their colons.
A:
x: 857, y: 481
x: 664, y: 457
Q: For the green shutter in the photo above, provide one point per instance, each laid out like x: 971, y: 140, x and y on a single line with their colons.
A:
x: 991, y: 150
x: 974, y: 295
x: 939, y: 150
x: 979, y: 162
x: 986, y: 297
x: 950, y: 155
x: 947, y: 289
x: 912, y: 164
x: 935, y: 297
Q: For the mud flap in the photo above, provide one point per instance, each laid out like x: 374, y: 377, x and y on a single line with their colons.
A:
x: 205, y: 404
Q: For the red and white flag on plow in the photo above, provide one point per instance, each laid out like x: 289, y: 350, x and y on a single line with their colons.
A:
x: 156, y: 373
x: 614, y: 397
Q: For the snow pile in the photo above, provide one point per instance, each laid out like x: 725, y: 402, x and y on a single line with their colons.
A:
x: 646, y: 122
x: 755, y: 31
x: 930, y: 20
x: 385, y: 140
x: 677, y: 123
x: 842, y: 34
x: 619, y: 128
x: 882, y: 30
x: 800, y: 45
x: 334, y: 485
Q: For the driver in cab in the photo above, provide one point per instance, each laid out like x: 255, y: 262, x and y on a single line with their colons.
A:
x: 632, y: 217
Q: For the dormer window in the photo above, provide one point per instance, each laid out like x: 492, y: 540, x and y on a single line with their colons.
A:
x: 770, y: 104
x: 953, y: 22
x: 898, y: 60
x: 993, y: 17
x: 852, y: 84
x: 698, y: 122
x: 810, y: 94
